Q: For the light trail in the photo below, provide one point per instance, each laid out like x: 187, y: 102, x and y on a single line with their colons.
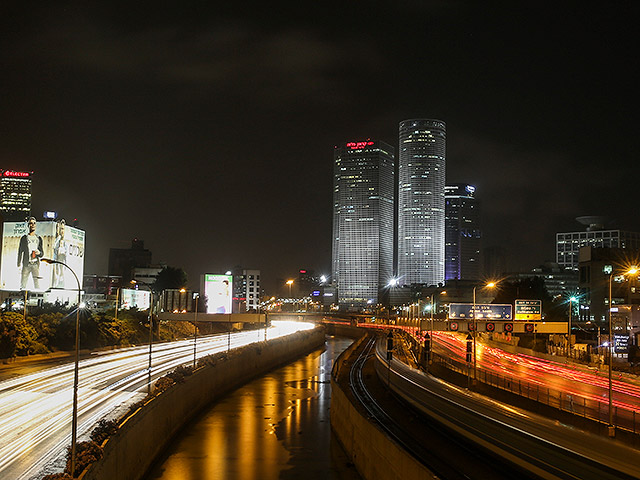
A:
x: 573, y: 380
x: 35, y: 409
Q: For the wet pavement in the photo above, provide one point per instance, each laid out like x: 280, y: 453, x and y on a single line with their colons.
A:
x: 275, y: 427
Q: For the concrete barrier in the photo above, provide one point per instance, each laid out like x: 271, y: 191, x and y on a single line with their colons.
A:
x: 374, y: 454
x: 144, y: 434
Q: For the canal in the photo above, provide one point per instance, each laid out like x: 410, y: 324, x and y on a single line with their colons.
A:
x: 275, y: 427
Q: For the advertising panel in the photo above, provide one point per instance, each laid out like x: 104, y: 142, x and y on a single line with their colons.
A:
x: 130, y: 298
x: 218, y: 292
x: 483, y: 310
x: 24, y: 244
x: 528, y: 309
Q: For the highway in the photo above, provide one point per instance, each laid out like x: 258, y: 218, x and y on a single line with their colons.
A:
x: 544, y: 447
x: 582, y: 388
x: 36, y: 409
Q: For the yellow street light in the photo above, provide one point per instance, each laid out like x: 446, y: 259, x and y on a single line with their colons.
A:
x: 475, y: 329
x: 632, y: 271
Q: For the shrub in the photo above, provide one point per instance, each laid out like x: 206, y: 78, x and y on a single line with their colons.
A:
x: 104, y: 430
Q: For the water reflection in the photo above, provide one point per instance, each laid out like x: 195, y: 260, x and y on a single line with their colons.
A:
x: 274, y: 427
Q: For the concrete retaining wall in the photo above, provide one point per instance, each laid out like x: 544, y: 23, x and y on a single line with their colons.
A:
x: 373, y: 453
x: 144, y: 434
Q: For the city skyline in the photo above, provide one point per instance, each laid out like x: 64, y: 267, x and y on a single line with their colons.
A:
x: 208, y: 132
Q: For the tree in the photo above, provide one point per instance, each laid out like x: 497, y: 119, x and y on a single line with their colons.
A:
x: 170, y: 277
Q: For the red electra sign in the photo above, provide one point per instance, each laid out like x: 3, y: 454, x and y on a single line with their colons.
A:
x: 358, y: 145
x: 11, y: 173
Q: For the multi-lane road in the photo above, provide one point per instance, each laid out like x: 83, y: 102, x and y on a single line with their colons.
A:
x: 36, y: 409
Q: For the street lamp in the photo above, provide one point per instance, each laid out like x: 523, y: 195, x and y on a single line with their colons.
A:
x: 632, y: 271
x: 571, y: 300
x: 196, y: 297
x: 150, y: 318
x: 74, y: 417
x: 475, y: 329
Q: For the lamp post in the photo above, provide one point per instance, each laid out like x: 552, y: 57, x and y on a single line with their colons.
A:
x: 475, y: 329
x: 196, y: 296
x: 632, y: 271
x: 571, y: 300
x: 74, y: 417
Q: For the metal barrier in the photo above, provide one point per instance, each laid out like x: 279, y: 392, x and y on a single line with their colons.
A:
x: 624, y: 419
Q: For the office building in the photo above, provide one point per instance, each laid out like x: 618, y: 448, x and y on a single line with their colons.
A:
x: 123, y: 261
x: 15, y: 195
x: 247, y: 291
x: 421, y: 203
x: 463, y: 236
x: 363, y: 222
x: 599, y: 270
x: 569, y: 244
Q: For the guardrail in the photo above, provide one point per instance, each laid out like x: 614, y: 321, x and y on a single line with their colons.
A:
x: 624, y: 419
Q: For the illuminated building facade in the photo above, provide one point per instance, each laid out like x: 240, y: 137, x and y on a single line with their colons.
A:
x: 15, y: 195
x: 421, y: 202
x: 568, y: 244
x: 363, y: 222
x: 463, y: 236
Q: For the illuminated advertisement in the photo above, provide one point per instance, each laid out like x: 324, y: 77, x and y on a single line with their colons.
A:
x: 25, y: 244
x: 218, y: 293
x: 483, y: 310
x: 129, y: 298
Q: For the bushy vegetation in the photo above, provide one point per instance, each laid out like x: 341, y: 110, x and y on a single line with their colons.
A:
x: 46, y: 331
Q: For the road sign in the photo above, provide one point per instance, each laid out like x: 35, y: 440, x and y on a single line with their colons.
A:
x: 483, y: 311
x: 528, y: 327
x: 528, y: 309
x: 490, y: 326
x: 508, y: 327
x: 453, y: 326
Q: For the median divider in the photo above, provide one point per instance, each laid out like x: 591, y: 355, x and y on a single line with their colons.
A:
x: 144, y: 434
x: 374, y: 454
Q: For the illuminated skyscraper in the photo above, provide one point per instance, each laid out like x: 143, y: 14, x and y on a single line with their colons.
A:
x: 15, y: 195
x: 421, y: 205
x: 363, y: 211
x: 462, y: 233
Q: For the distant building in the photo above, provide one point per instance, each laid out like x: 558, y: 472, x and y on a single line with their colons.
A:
x: 101, y: 284
x: 15, y: 195
x: 123, y: 261
x: 363, y: 222
x: 568, y: 244
x: 306, y: 283
x: 177, y: 300
x: 463, y: 235
x: 421, y: 203
x: 496, y: 261
x: 146, y: 275
x: 247, y: 291
x: 559, y: 282
x: 595, y: 266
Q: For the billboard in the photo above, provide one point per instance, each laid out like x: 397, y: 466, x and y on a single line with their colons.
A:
x: 130, y: 298
x: 483, y: 311
x: 24, y: 244
x: 218, y: 292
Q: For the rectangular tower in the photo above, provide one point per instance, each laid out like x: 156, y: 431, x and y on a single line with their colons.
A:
x: 15, y: 195
x: 363, y: 214
x: 422, y: 164
x: 463, y: 236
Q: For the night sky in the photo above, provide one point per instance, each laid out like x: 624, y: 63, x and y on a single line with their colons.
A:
x: 208, y: 130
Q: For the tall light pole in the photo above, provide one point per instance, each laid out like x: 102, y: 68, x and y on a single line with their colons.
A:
x: 74, y: 417
x: 475, y: 329
x: 632, y: 271
x: 150, y: 318
x: 196, y: 296
x: 571, y: 300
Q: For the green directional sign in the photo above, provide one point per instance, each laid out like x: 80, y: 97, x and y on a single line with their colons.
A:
x: 528, y: 310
